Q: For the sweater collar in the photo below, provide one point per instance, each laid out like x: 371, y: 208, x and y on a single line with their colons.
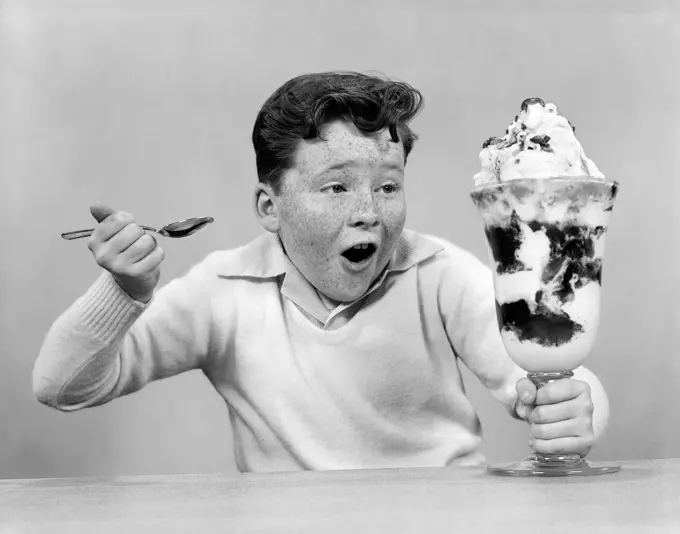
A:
x: 264, y: 258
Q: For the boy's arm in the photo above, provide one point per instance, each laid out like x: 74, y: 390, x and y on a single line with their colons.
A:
x: 107, y: 344
x: 467, y: 304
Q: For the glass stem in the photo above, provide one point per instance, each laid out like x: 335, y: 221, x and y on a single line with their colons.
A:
x: 552, y: 460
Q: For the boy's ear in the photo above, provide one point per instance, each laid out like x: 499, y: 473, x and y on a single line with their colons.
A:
x: 267, y: 208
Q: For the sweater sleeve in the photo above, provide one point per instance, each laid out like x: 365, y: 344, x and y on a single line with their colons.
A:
x: 467, y: 306
x: 107, y: 345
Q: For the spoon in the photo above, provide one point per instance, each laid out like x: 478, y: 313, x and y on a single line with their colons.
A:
x: 177, y: 229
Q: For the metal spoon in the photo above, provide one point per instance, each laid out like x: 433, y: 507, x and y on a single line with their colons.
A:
x: 177, y: 229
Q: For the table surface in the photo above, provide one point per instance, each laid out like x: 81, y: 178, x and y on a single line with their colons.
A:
x: 643, y: 497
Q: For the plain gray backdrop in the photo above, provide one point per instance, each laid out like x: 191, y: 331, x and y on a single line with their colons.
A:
x: 149, y: 105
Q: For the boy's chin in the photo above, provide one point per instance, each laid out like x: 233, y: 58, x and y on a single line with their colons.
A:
x: 355, y: 288
x: 346, y: 296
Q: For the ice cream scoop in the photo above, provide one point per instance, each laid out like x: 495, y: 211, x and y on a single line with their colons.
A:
x: 538, y: 143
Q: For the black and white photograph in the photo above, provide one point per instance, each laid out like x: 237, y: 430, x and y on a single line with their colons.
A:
x: 350, y: 266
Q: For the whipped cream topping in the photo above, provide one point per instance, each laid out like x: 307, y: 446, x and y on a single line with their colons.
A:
x: 538, y: 143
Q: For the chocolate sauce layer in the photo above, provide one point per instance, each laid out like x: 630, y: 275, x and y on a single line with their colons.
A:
x: 542, y: 326
x: 546, y: 239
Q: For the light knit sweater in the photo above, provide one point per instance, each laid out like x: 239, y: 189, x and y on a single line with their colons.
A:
x: 374, y: 383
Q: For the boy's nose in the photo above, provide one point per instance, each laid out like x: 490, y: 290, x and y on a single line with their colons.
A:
x: 365, y: 211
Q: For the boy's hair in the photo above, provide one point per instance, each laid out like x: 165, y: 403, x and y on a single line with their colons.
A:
x: 300, y: 107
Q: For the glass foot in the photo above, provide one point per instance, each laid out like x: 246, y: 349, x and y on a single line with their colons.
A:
x: 556, y: 466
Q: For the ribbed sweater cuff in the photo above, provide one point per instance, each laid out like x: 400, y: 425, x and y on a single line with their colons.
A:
x: 106, y: 310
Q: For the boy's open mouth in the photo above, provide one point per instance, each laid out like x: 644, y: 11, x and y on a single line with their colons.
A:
x: 360, y: 253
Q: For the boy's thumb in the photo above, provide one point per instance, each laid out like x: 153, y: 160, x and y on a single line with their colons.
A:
x: 100, y: 211
x: 526, y: 391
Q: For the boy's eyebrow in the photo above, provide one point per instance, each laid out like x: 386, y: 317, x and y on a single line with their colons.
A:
x: 344, y: 164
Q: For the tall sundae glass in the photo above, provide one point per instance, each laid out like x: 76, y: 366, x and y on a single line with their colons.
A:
x: 545, y: 209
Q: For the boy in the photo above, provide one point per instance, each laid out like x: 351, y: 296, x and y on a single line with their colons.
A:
x: 334, y: 338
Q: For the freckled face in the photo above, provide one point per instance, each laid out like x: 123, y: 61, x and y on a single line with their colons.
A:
x: 343, y: 191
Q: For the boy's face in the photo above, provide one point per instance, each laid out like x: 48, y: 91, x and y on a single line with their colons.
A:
x: 344, y: 191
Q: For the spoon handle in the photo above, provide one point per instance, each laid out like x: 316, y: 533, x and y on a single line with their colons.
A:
x: 77, y: 234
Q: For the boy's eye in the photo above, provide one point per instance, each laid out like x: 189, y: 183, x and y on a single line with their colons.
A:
x: 389, y: 188
x: 337, y: 188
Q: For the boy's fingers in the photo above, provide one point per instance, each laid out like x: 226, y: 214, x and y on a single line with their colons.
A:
x: 560, y: 391
x: 141, y: 248
x: 571, y: 445
x: 113, y: 225
x: 124, y: 238
x: 562, y: 429
x: 552, y: 413
x: 148, y: 263
x: 108, y: 243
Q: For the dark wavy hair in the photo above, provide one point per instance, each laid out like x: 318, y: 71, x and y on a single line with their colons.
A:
x: 298, y: 109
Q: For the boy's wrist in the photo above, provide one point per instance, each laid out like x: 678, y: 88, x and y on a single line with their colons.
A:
x: 139, y: 297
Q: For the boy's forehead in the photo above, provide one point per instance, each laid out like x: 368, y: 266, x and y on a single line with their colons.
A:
x: 342, y: 142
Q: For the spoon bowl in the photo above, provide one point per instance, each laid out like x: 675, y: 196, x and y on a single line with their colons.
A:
x: 185, y: 228
x: 177, y: 229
